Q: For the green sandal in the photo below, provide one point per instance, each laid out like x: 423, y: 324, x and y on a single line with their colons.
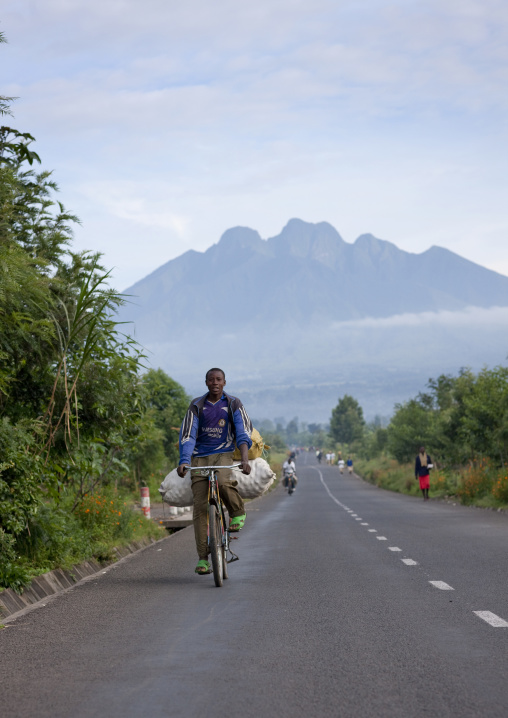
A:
x: 203, y: 568
x: 237, y: 523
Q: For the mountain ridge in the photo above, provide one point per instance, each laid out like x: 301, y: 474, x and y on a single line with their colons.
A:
x: 287, y: 307
x: 370, y: 277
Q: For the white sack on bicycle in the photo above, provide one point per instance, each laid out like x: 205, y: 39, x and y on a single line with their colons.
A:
x: 177, y: 491
x: 257, y: 482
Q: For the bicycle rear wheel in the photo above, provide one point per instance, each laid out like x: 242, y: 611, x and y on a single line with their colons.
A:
x: 216, y: 548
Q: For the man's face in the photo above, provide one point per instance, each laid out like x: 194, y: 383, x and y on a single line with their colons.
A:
x: 215, y: 383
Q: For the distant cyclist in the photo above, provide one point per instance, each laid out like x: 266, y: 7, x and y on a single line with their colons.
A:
x: 213, y: 424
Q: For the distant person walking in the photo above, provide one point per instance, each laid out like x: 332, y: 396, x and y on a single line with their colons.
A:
x: 341, y: 465
x: 349, y: 464
x: 423, y: 465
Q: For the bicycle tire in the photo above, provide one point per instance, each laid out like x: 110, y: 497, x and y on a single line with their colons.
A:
x: 224, y: 552
x: 224, y: 564
x: 216, y: 548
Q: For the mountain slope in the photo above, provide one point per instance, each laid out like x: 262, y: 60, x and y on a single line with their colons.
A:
x: 306, y: 273
x: 305, y: 317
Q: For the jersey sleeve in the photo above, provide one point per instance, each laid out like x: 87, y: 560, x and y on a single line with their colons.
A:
x: 243, y: 427
x: 188, y: 434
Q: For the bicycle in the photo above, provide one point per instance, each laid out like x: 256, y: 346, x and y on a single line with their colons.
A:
x: 218, y: 533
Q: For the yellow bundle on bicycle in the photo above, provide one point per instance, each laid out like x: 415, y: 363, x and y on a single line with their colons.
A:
x: 256, y: 450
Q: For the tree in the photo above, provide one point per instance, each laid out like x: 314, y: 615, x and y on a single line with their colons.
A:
x: 168, y: 401
x: 314, y: 428
x: 484, y: 423
x: 292, y: 430
x: 347, y: 422
x: 410, y: 428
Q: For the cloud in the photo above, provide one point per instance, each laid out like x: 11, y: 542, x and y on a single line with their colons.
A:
x: 367, y: 56
x: 123, y: 200
x: 467, y: 318
x: 188, y: 118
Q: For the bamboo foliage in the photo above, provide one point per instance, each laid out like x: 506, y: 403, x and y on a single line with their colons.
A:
x: 87, y: 330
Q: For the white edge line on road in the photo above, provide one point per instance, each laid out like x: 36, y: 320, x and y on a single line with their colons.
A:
x: 372, y: 531
x: 441, y: 585
x: 491, y: 619
x: 409, y: 562
x: 381, y: 538
x: 357, y: 519
x: 329, y: 492
x: 394, y: 548
x: 364, y: 524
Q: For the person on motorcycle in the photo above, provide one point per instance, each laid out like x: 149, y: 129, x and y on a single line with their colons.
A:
x: 213, y: 424
x: 289, y: 474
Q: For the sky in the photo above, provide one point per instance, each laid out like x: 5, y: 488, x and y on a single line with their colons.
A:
x: 167, y: 123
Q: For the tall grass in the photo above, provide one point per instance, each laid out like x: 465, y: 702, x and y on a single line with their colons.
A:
x: 480, y: 483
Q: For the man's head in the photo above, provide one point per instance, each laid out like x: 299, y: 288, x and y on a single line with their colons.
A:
x: 422, y: 449
x: 215, y: 381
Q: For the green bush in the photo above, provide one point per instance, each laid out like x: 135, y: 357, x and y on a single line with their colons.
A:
x: 54, y: 538
x: 20, y: 476
x: 14, y: 572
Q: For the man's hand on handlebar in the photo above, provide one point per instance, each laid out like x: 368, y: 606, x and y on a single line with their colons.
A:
x: 182, y: 470
x: 246, y: 468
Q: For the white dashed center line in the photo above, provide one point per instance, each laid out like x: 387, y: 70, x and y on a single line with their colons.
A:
x: 442, y: 585
x: 487, y: 616
x: 492, y: 619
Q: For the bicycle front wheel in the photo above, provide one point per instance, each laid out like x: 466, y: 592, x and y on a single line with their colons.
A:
x: 224, y: 552
x: 216, y: 548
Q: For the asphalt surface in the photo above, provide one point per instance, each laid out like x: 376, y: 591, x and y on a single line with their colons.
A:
x: 320, y: 617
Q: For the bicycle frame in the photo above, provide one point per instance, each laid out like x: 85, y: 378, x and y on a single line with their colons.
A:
x: 215, y: 499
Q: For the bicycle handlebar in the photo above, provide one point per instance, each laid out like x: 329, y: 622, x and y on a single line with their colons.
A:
x: 200, y: 468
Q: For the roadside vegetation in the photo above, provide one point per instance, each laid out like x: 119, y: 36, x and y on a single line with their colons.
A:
x: 81, y: 425
x: 461, y: 420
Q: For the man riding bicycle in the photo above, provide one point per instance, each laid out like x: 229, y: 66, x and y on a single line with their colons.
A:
x: 213, y: 424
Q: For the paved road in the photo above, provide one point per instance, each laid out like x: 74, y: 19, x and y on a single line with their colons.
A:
x: 321, y: 617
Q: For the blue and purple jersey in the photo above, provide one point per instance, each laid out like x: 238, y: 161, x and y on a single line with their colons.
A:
x: 210, y: 428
